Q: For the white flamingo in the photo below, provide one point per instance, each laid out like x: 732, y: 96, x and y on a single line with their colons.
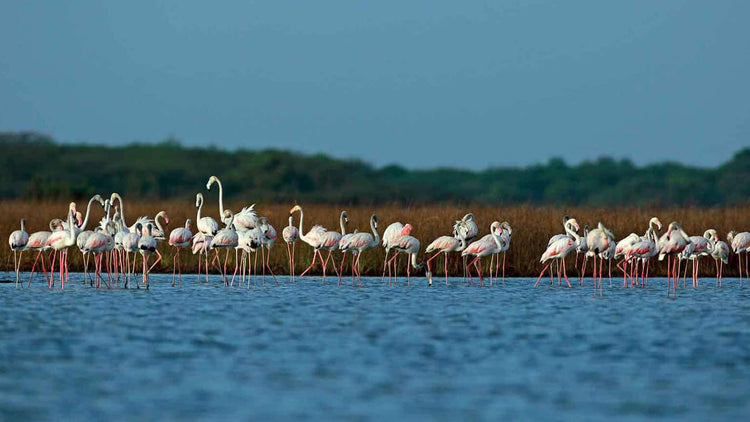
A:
x: 290, y: 234
x: 179, y: 238
x: 558, y: 249
x: 740, y: 243
x: 358, y: 242
x: 18, y: 240
x: 147, y: 246
x: 488, y: 245
x: 244, y: 220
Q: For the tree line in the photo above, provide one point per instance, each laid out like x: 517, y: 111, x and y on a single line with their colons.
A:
x: 34, y: 166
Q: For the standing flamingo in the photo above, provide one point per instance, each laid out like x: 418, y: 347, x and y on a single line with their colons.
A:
x: 60, y: 241
x: 227, y: 239
x: 130, y: 245
x: 38, y: 242
x: 560, y: 248
x: 671, y: 243
x: 445, y: 245
x: 179, y: 238
x: 740, y: 243
x: 487, y: 245
x: 142, y: 220
x: 720, y: 254
x: 643, y: 251
x: 290, y: 234
x: 622, y: 252
x: 268, y: 239
x: 18, y: 240
x: 244, y: 220
x: 699, y: 246
x: 410, y: 246
x: 391, y: 233
x: 469, y: 233
x: 599, y: 242
x: 358, y: 242
x: 314, y: 238
x: 99, y: 244
x: 147, y: 247
x: 202, y: 246
x: 505, y: 231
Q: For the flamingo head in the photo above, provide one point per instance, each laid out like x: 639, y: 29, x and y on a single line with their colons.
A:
x: 198, y: 200
x: 211, y: 181
x: 113, y: 196
x: 656, y: 222
x: 294, y: 209
x: 55, y: 224
x: 468, y: 217
x: 98, y: 198
x: 506, y: 227
x: 731, y: 235
x: 406, y: 231
x: 79, y: 219
x: 573, y: 223
x: 345, y: 215
x: 187, y: 224
x: 374, y: 219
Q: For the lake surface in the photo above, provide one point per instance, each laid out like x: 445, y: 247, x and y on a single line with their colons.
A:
x: 308, y: 351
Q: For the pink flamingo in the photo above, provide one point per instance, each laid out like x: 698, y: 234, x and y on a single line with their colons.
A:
x: 358, y: 242
x: 244, y: 220
x: 699, y: 246
x: 643, y: 251
x: 445, y: 245
x: 179, y: 238
x: 99, y: 244
x: 410, y: 246
x: 290, y: 234
x: 268, y: 239
x: 130, y: 245
x: 622, y: 252
x: 488, y: 245
x: 671, y: 243
x: 505, y: 233
x: 227, y: 239
x: 559, y: 248
x: 740, y: 243
x: 316, y: 238
x: 469, y: 233
x: 201, y: 246
x: 391, y: 233
x: 18, y: 241
x: 38, y: 242
x: 60, y: 241
x: 599, y: 242
x: 720, y: 254
x: 147, y: 246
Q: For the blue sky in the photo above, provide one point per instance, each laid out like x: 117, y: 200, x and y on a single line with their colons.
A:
x: 419, y: 83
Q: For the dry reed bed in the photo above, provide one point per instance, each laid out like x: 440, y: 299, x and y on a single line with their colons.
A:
x: 532, y: 226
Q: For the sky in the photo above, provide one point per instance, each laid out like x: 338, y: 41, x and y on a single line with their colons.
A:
x: 419, y: 83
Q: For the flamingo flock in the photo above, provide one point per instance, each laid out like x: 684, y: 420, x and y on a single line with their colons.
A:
x: 112, y: 242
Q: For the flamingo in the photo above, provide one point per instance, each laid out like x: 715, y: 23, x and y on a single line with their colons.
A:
x: 599, y: 242
x: 358, y: 242
x: 290, y: 234
x: 179, y: 238
x: 506, y: 231
x: 391, y: 233
x: 469, y: 232
x: 38, y: 242
x: 268, y: 239
x: 644, y: 250
x: 445, y: 245
x: 720, y: 254
x: 557, y: 237
x: 147, y: 246
x: 244, y: 220
x: 488, y: 245
x: 622, y: 252
x: 740, y: 242
x: 227, y: 239
x: 130, y: 245
x: 60, y: 241
x: 99, y: 244
x: 314, y: 238
x: 558, y: 249
x: 206, y: 225
x: 699, y: 246
x: 671, y: 243
x: 201, y: 245
x: 18, y: 241
x: 410, y: 246
x: 582, y: 248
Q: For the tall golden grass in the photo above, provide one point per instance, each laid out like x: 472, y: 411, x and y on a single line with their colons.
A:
x: 532, y: 227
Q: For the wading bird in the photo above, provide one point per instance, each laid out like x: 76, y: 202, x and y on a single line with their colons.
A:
x: 179, y: 238
x: 488, y: 245
x: 740, y: 243
x: 559, y: 248
x: 290, y: 234
x: 18, y: 240
x: 671, y: 243
x: 358, y: 242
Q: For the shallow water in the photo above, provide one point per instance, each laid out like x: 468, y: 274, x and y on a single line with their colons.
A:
x: 321, y: 352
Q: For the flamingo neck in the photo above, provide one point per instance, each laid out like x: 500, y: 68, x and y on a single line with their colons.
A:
x: 221, y: 197
x: 158, y: 224
x: 301, y: 232
x: 122, y: 208
x: 200, y: 206
x: 572, y: 233
x: 88, y: 213
x: 342, y: 224
x: 376, y: 236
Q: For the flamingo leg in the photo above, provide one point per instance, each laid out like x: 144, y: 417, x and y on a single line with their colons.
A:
x: 445, y: 268
x: 268, y: 265
x: 542, y: 273
x: 315, y: 256
x: 479, y: 270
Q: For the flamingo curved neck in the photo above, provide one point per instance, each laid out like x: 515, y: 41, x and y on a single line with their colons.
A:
x: 572, y: 233
x: 200, y: 206
x: 301, y: 232
x: 122, y: 207
x: 221, y: 197
x: 158, y: 224
x: 88, y: 213
x: 342, y: 224
x: 376, y: 236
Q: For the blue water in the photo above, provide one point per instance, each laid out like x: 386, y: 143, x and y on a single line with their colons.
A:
x: 320, y: 352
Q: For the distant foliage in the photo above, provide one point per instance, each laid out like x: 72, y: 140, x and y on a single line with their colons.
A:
x: 34, y: 166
